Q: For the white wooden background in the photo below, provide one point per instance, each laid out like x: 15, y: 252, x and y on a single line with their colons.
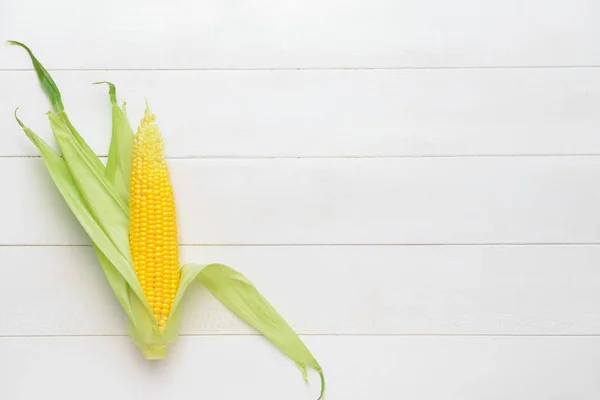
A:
x: 415, y: 185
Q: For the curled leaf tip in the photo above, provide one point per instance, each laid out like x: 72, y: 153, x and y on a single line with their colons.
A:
x: 322, y: 384
x: 14, y: 42
x: 17, y: 43
x: 17, y: 118
x: 110, y: 84
x: 112, y: 91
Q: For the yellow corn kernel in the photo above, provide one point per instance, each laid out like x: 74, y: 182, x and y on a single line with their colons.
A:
x: 152, y: 224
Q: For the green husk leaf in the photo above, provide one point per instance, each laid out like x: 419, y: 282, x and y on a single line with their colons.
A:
x: 118, y: 166
x: 116, y: 266
x: 87, y: 150
x: 53, y: 93
x: 238, y: 294
x: 61, y: 175
x: 88, y: 178
x: 101, y: 198
x: 45, y: 79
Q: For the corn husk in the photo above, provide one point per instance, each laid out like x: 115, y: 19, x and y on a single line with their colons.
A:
x: 98, y: 197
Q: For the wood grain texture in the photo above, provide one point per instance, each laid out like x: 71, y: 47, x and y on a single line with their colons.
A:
x: 420, y: 290
x: 308, y: 34
x: 326, y: 113
x: 223, y: 368
x: 343, y: 201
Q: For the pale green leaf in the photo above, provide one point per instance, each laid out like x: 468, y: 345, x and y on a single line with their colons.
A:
x: 118, y: 165
x: 111, y: 163
x: 63, y: 180
x: 105, y: 205
x: 87, y: 150
x: 237, y: 293
x: 75, y: 156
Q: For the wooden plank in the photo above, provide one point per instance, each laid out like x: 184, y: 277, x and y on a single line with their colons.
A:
x: 311, y: 34
x: 360, y: 290
x: 342, y: 201
x: 326, y: 113
x: 219, y: 368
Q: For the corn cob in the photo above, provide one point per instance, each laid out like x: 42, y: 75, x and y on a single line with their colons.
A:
x: 152, y: 224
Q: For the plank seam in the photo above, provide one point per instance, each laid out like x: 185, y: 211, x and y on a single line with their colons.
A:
x: 350, y: 157
x: 483, y: 335
x: 490, y: 67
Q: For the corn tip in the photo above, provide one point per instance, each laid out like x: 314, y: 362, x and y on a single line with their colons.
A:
x: 149, y: 116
